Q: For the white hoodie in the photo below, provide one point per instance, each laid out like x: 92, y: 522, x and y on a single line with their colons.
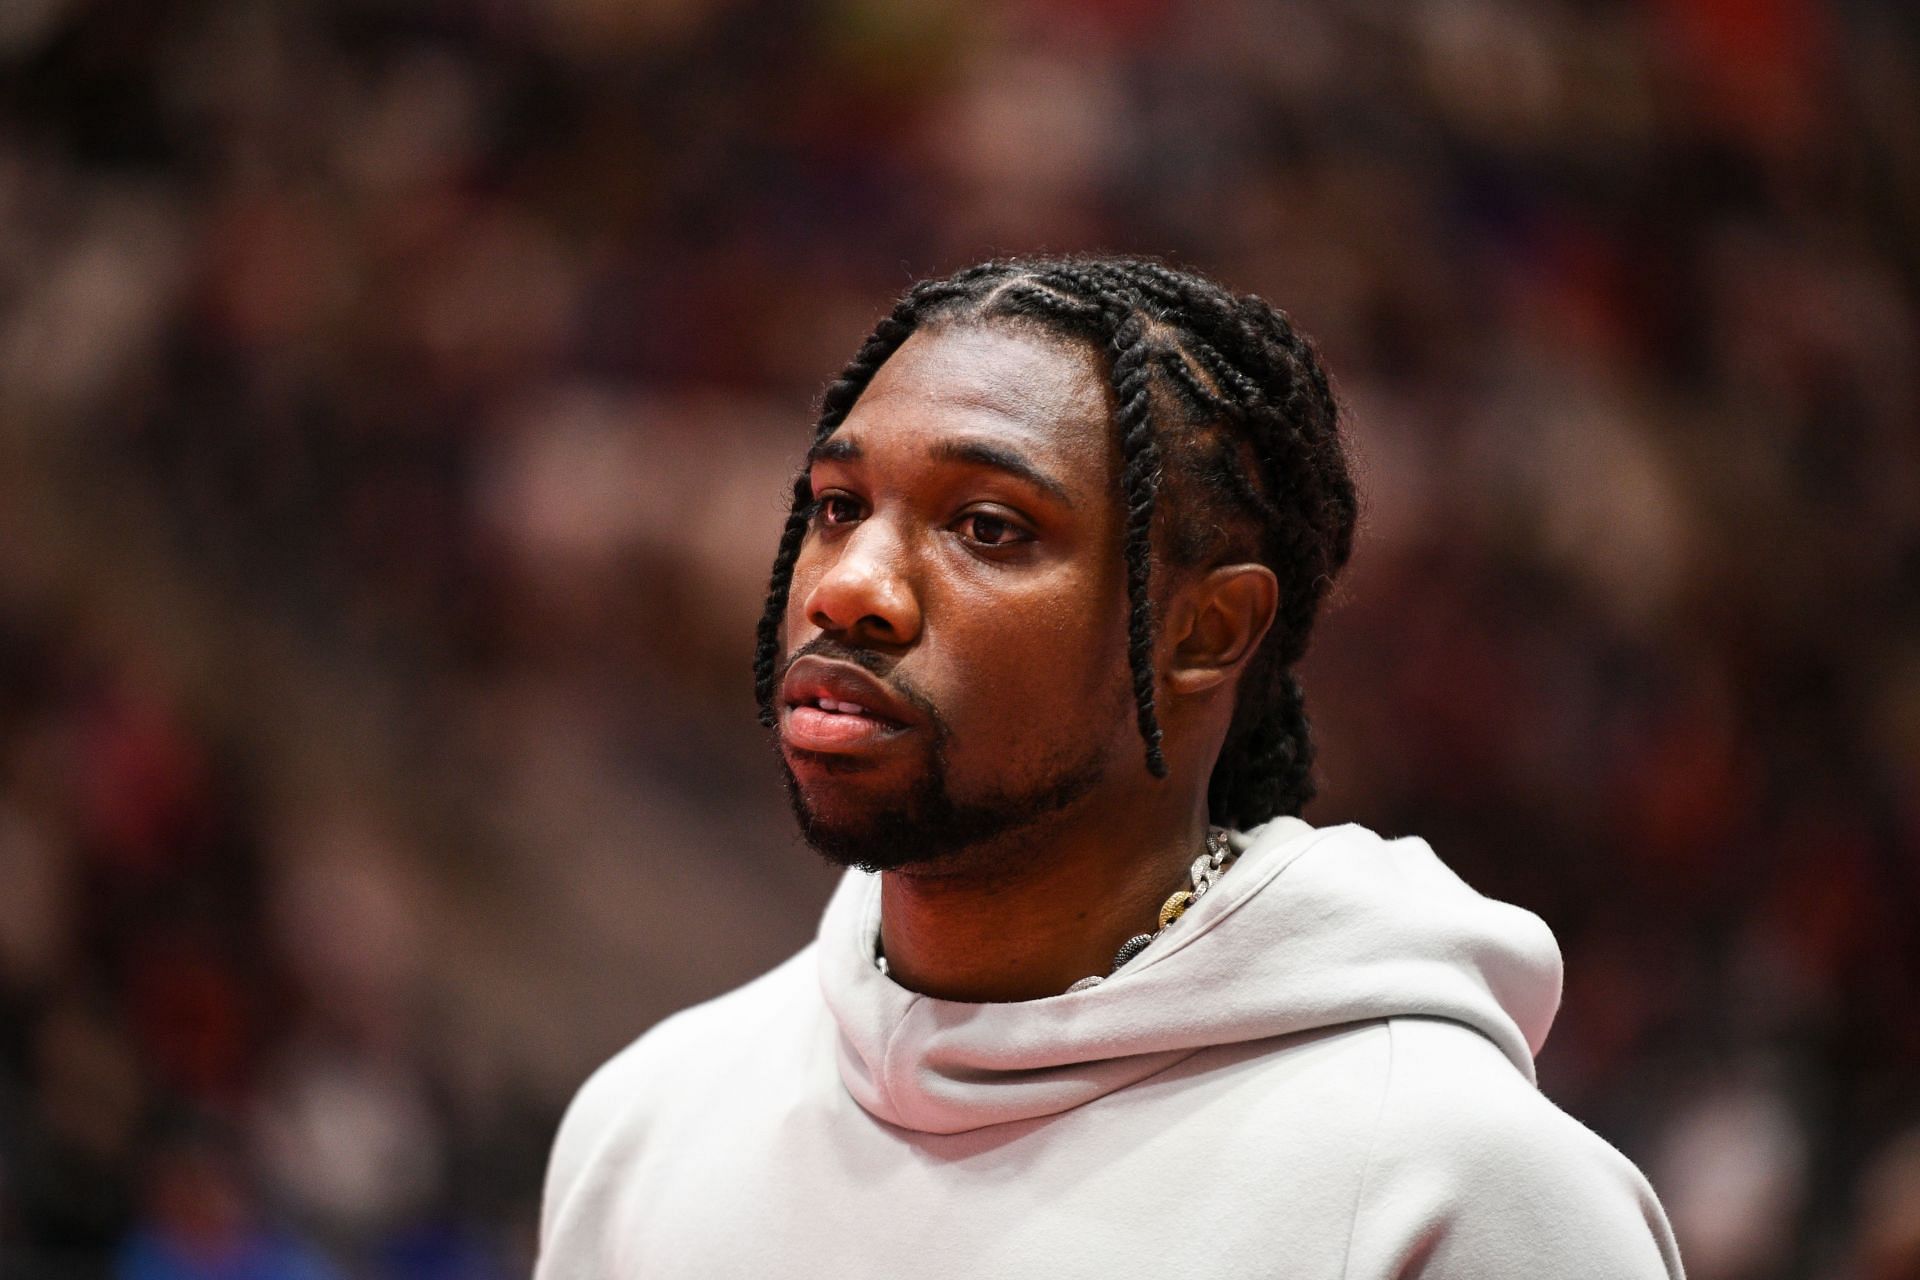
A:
x: 1324, y: 1069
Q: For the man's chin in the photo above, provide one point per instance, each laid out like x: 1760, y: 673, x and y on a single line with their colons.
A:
x: 874, y: 824
x: 860, y: 849
x: 877, y: 835
x: 922, y: 826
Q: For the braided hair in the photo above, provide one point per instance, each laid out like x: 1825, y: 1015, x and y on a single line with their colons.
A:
x: 1219, y: 403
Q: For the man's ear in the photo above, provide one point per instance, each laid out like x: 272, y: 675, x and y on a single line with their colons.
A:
x: 1217, y: 623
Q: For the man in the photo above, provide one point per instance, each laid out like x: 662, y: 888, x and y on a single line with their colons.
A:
x: 1092, y: 999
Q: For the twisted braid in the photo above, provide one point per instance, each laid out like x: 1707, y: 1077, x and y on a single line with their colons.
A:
x: 1265, y: 766
x: 1218, y: 400
x: 835, y: 403
x: 1140, y: 477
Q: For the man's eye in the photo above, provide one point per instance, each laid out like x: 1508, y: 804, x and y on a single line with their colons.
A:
x: 836, y: 508
x: 992, y: 531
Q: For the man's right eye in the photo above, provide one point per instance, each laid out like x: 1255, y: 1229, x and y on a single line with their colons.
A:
x: 836, y: 508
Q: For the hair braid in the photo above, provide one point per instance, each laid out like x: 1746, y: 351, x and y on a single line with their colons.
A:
x: 1140, y: 478
x: 835, y: 403
x: 1262, y: 772
x: 1131, y: 358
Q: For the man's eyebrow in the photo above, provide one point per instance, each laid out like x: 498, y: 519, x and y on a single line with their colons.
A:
x: 834, y: 449
x: 979, y: 453
x: 973, y: 453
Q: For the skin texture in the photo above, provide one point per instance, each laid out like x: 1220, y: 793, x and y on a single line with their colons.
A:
x: 1022, y: 837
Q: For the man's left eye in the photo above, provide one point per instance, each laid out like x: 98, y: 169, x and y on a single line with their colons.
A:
x: 990, y: 530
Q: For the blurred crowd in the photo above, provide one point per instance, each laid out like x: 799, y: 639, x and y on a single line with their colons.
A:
x: 395, y: 402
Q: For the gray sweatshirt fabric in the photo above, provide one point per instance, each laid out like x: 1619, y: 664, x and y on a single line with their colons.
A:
x: 1324, y: 1069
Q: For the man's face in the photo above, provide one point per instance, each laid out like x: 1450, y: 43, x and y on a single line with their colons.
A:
x: 955, y: 636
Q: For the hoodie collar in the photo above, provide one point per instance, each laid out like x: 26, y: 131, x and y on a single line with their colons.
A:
x: 1314, y: 928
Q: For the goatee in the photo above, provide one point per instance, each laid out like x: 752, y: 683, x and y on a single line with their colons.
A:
x: 928, y: 826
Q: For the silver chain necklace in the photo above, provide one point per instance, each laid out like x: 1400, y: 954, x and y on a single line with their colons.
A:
x: 1205, y: 871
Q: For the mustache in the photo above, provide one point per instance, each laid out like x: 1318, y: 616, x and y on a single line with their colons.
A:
x: 874, y: 665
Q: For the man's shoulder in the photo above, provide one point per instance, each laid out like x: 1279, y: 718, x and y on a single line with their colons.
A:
x: 1471, y: 1157
x: 685, y: 1042
x: 1453, y: 1081
x: 781, y: 994
x: 697, y: 1048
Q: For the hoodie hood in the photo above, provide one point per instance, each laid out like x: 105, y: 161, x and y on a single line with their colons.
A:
x: 1311, y: 928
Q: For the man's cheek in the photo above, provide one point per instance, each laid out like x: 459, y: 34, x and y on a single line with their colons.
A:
x: 990, y: 756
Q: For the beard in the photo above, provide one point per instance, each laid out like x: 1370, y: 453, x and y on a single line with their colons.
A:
x: 928, y: 826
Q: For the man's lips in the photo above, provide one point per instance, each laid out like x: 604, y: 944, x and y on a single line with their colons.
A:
x: 836, y: 707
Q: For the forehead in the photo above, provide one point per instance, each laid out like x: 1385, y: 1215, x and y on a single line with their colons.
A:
x: 1046, y: 395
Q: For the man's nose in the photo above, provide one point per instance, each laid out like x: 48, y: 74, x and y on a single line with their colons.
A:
x: 867, y: 593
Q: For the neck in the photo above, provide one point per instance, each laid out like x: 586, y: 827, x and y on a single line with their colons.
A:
x: 1039, y: 910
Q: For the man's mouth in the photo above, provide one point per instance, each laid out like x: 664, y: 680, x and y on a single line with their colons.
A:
x: 828, y: 724
x: 843, y: 708
x: 836, y: 707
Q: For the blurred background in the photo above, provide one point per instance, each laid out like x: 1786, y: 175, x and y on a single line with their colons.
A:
x: 396, y: 398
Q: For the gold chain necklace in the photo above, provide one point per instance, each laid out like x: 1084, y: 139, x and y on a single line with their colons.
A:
x: 1206, y: 869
